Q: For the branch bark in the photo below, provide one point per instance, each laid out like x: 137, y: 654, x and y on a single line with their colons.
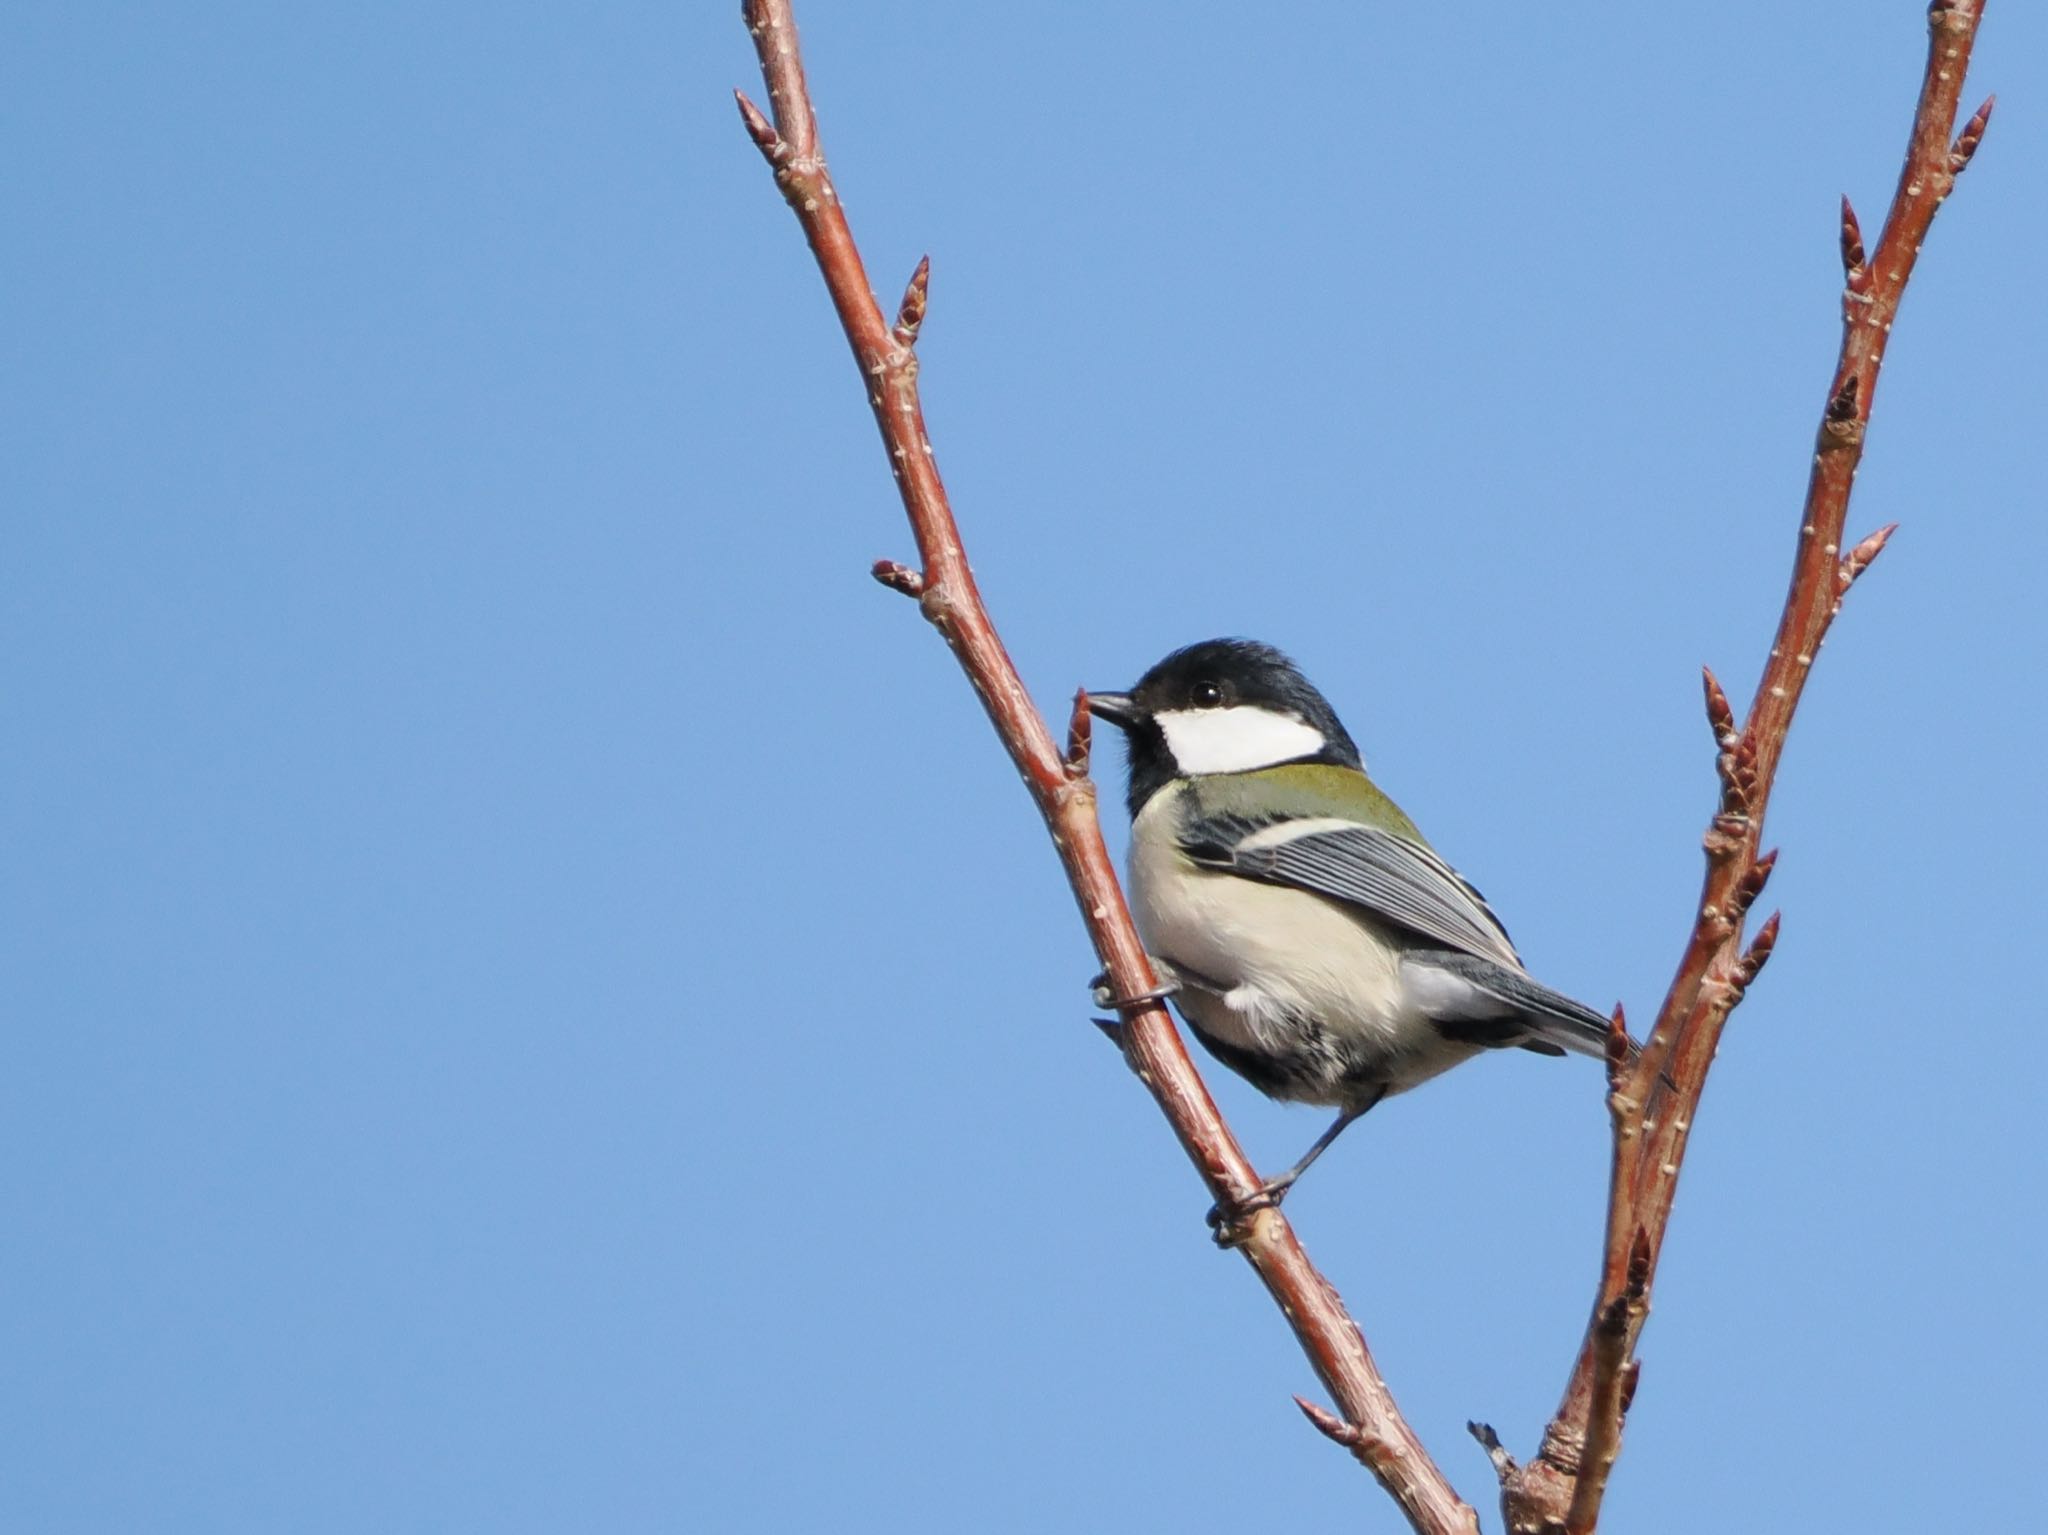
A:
x: 1368, y: 1422
x: 1654, y: 1101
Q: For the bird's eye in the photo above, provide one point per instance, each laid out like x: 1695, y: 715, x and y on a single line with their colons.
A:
x: 1206, y: 695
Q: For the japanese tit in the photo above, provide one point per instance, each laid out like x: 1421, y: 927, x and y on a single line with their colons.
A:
x: 1311, y: 938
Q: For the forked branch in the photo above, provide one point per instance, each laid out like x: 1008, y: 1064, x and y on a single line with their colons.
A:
x: 1652, y: 1096
x: 1367, y: 1423
x: 1653, y: 1102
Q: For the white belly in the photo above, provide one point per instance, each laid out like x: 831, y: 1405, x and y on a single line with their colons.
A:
x: 1259, y: 962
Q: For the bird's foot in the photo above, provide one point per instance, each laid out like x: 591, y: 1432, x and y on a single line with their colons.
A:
x: 1099, y: 991
x: 1229, y: 1221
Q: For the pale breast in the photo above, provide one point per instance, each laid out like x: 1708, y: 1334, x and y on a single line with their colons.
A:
x: 1275, y: 956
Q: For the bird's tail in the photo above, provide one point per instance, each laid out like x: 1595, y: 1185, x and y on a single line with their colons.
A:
x: 1559, y: 1020
x: 1548, y: 1021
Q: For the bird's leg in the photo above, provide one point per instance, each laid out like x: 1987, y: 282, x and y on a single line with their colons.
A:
x: 1099, y: 990
x: 1225, y: 1221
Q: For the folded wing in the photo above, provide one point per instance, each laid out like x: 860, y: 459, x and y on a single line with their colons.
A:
x: 1474, y: 985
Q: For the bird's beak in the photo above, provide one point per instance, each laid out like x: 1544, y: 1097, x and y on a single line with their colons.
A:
x: 1118, y: 708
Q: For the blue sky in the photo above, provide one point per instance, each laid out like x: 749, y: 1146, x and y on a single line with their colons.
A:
x: 533, y: 1000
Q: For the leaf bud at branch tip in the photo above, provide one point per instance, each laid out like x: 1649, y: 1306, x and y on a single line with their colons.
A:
x: 1720, y: 717
x: 898, y: 578
x: 1752, y: 883
x: 1735, y: 764
x: 1321, y: 1417
x: 910, y: 314
x: 1350, y: 1435
x: 1858, y: 559
x: 1080, y: 735
x: 1752, y: 962
x: 1852, y: 251
x: 1618, y: 1049
x: 760, y: 130
x: 1972, y: 135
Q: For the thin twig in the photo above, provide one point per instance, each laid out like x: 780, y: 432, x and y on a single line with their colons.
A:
x: 1370, y: 1423
x: 1561, y: 1488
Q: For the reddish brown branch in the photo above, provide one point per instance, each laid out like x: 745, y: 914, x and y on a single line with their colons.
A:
x: 1654, y: 1103
x: 1370, y: 1424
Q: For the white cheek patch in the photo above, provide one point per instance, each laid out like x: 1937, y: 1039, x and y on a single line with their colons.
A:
x: 1236, y: 740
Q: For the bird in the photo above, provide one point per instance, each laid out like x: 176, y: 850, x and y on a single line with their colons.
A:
x: 1308, y: 935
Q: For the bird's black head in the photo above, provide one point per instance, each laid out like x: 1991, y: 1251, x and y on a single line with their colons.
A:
x: 1223, y: 706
